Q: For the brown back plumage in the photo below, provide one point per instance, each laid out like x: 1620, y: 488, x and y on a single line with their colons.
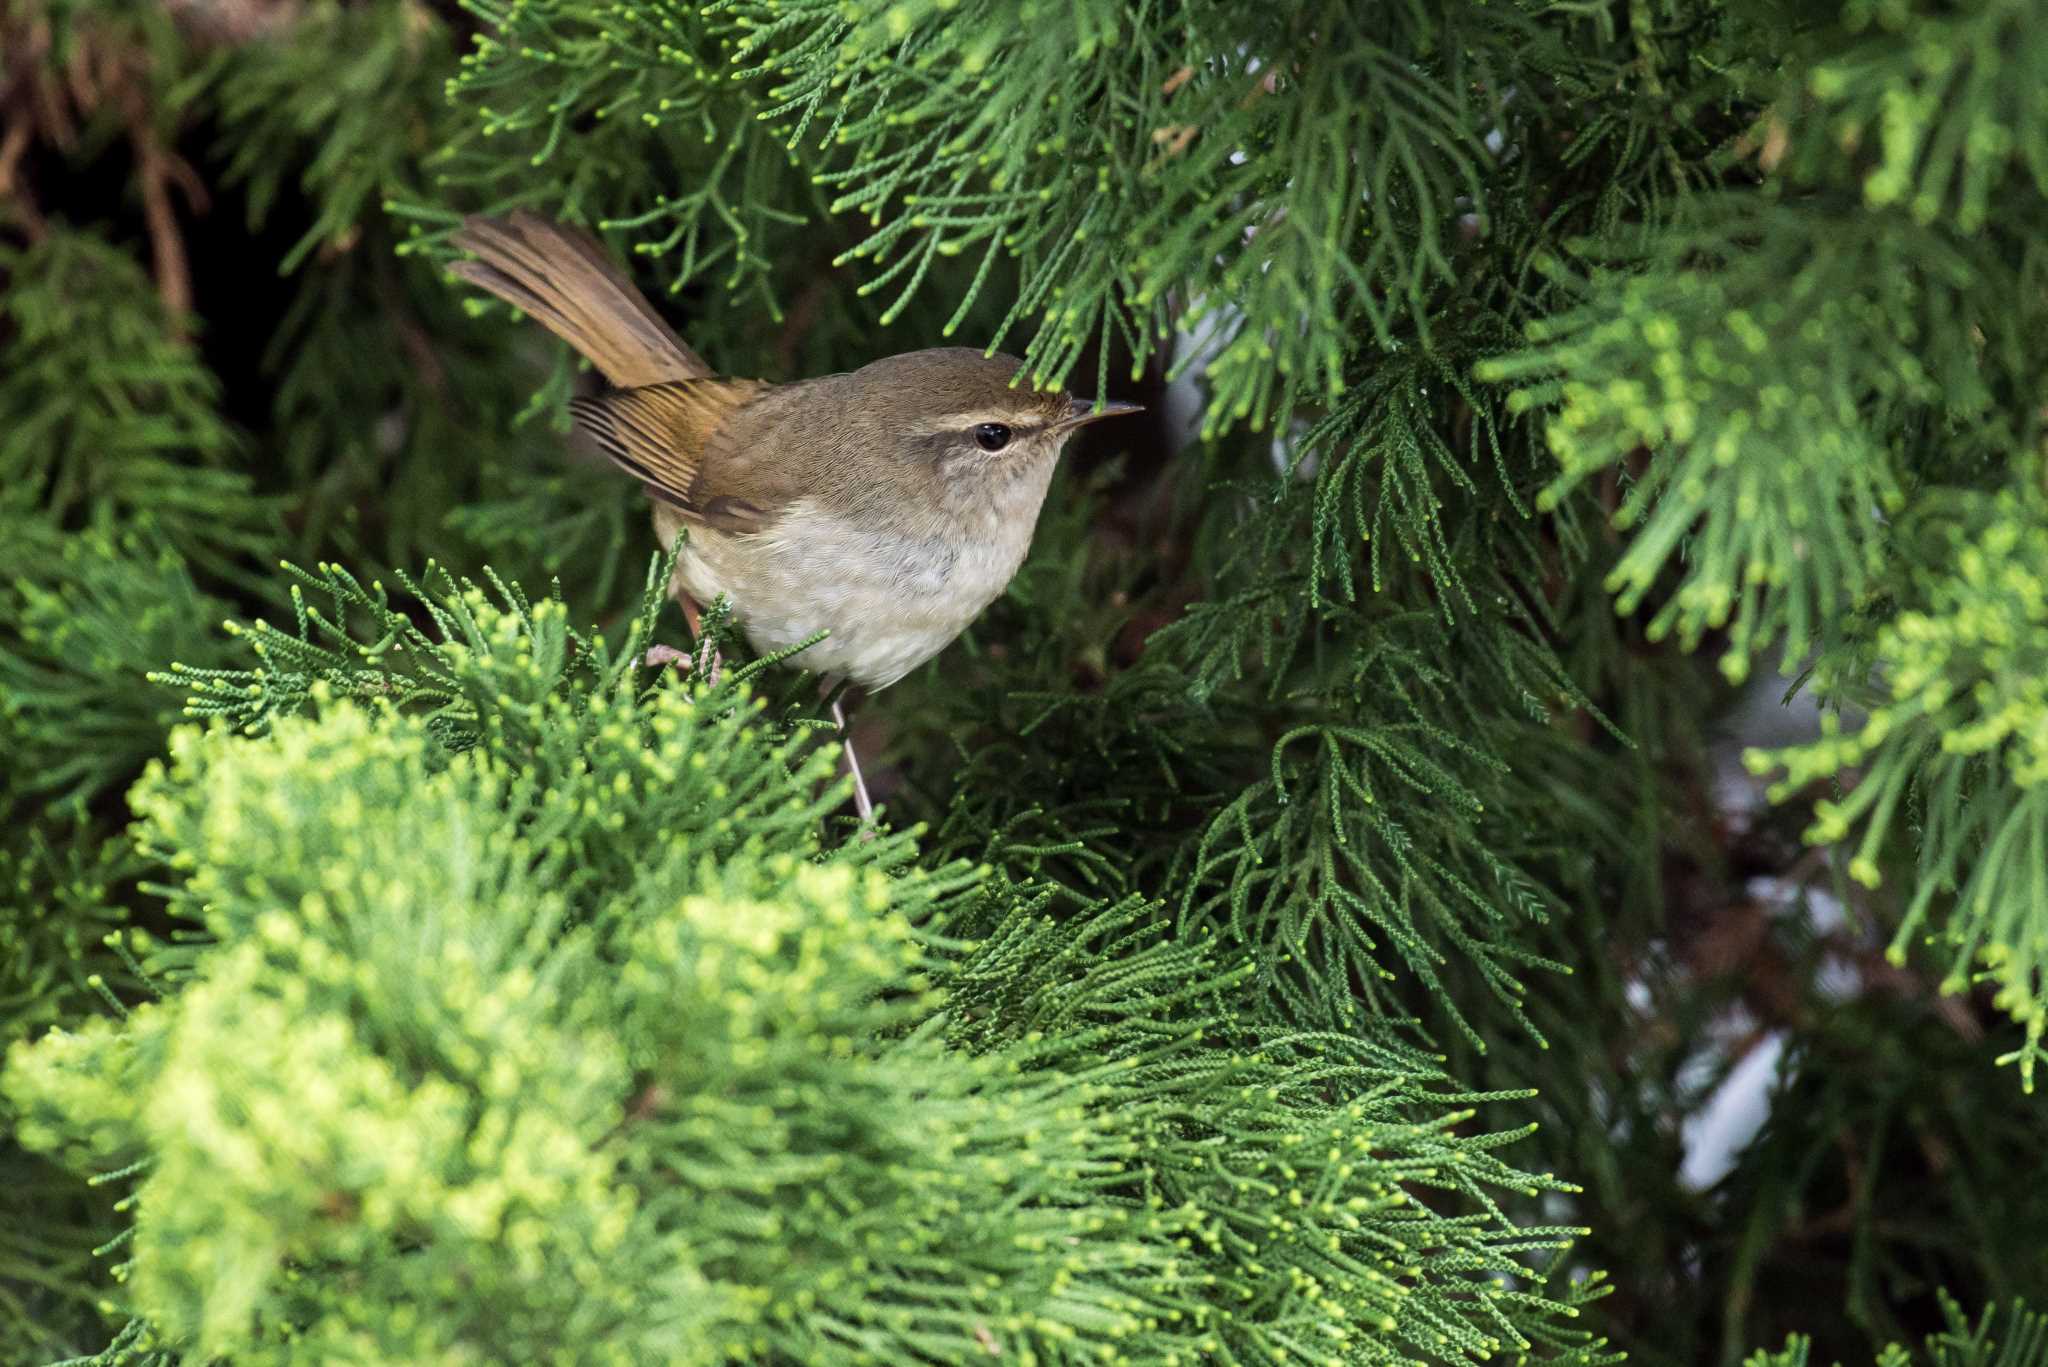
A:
x: 563, y: 280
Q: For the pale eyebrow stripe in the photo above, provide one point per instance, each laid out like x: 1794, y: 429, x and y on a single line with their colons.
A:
x: 960, y: 422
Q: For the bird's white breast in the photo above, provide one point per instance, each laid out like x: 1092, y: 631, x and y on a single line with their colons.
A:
x: 890, y: 598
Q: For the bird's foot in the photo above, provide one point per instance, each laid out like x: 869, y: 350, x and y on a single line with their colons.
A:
x: 709, y: 661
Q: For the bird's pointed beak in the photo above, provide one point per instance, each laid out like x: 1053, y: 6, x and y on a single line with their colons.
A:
x: 1083, y: 411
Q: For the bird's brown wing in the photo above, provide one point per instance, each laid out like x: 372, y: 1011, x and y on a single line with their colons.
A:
x: 678, y: 440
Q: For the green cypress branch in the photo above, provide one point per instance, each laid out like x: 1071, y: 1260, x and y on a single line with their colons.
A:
x: 74, y: 639
x: 644, y: 1037
x: 106, y: 418
x: 1769, y: 467
x: 1960, y: 727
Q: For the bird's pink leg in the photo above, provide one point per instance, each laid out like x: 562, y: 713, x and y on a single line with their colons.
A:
x: 862, y: 803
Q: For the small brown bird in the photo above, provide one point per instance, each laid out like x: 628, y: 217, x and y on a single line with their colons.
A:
x: 887, y: 506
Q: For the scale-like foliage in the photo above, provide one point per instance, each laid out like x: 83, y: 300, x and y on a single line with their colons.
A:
x: 295, y: 110
x: 1090, y: 148
x: 1802, y: 392
x: 1957, y: 743
x: 634, y: 123
x: 105, y: 415
x: 1095, y: 149
x: 74, y: 639
x: 1947, y: 100
x: 2011, y: 1337
x: 1771, y: 473
x: 587, y: 959
x: 493, y: 994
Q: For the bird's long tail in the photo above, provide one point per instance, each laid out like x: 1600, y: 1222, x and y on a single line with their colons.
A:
x: 562, y: 279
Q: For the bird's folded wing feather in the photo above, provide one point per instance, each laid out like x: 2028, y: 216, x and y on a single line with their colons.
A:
x: 677, y: 439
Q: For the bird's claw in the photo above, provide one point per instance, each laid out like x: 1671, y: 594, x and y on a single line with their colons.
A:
x: 657, y: 656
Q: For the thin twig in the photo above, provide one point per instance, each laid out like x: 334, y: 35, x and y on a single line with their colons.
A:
x: 13, y: 146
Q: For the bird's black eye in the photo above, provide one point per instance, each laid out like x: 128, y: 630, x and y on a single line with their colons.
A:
x: 991, y: 436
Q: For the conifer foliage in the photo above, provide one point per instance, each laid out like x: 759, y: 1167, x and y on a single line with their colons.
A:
x: 1333, y: 908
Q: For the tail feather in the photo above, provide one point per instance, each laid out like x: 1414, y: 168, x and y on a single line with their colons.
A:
x: 564, y: 281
